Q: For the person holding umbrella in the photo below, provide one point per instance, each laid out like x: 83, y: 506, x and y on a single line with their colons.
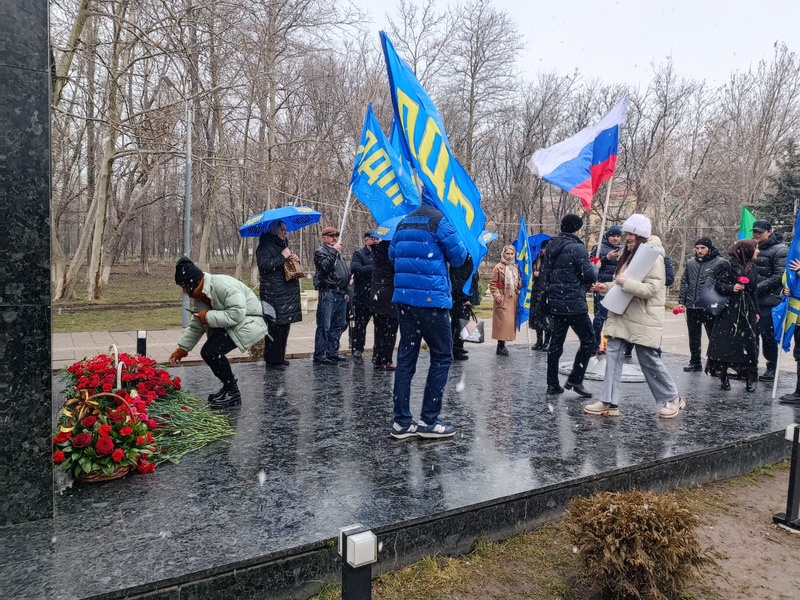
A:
x: 283, y: 295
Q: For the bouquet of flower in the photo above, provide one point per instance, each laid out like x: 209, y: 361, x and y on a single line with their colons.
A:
x: 678, y: 310
x: 103, y: 433
x: 125, y: 413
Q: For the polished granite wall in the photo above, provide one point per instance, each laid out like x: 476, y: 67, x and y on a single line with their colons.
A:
x: 26, y: 488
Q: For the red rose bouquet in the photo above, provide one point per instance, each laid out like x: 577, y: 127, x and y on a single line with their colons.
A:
x: 743, y: 280
x: 103, y: 433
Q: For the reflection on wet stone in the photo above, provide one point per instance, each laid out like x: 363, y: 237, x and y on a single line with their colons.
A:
x: 312, y: 452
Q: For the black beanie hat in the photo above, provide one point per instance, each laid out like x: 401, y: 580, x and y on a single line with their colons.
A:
x: 704, y: 241
x: 187, y: 273
x: 571, y: 223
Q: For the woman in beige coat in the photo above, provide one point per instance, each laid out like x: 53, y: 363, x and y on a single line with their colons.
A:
x: 641, y: 324
x: 505, y: 285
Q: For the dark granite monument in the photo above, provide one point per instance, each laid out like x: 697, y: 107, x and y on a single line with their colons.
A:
x: 26, y: 475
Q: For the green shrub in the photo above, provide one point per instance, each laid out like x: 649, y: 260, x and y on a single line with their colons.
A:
x: 635, y: 544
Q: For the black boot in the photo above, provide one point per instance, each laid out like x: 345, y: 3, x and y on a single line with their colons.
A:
x: 538, y: 344
x: 769, y: 374
x: 216, y: 395
x: 501, y: 348
x: 232, y: 396
x: 724, y: 383
x: 546, y: 346
x: 578, y: 389
x: 794, y: 397
x: 750, y: 384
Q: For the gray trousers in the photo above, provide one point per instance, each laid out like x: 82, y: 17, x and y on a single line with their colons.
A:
x: 655, y: 373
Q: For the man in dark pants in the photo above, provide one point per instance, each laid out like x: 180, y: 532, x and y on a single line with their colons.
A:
x: 462, y: 304
x: 361, y: 271
x: 699, y: 269
x: 771, y: 263
x: 424, y: 243
x: 568, y: 273
x: 332, y: 277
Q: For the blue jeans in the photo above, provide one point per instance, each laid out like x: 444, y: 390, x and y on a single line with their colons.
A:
x: 433, y: 326
x: 331, y: 321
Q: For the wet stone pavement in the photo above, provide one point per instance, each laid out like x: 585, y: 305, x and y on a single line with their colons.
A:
x: 312, y: 453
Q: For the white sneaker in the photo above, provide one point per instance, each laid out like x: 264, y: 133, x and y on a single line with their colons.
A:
x: 672, y: 408
x: 602, y: 409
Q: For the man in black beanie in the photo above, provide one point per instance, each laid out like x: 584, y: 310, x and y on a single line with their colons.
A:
x: 698, y: 271
x: 229, y: 313
x: 568, y: 272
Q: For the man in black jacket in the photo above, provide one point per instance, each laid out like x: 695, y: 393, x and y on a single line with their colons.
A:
x: 698, y: 270
x: 462, y: 304
x: 771, y: 263
x: 568, y: 273
x: 332, y: 278
x: 361, y: 271
x: 610, y: 251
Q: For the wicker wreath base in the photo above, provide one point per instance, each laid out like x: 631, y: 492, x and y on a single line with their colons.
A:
x: 98, y: 476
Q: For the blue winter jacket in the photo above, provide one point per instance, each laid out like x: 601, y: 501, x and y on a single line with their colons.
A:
x: 424, y: 240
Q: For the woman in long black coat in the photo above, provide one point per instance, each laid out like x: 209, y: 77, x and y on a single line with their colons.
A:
x: 734, y: 341
x: 384, y: 312
x: 538, y: 320
x: 284, y: 296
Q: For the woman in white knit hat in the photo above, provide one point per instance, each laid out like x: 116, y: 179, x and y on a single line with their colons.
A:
x: 641, y: 324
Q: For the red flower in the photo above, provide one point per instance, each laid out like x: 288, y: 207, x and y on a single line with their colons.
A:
x: 152, y: 424
x: 82, y: 440
x: 161, y: 391
x: 140, y: 440
x: 104, y: 429
x: 186, y: 408
x: 104, y: 446
x: 145, y: 467
x: 594, y: 260
x: 678, y: 310
x: 58, y: 457
x: 176, y: 383
x: 116, y: 416
x: 62, y: 437
x: 125, y: 431
x: 118, y: 454
x: 89, y: 421
x: 743, y: 280
x: 149, y: 437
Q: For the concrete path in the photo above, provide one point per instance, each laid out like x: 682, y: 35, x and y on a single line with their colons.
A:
x: 69, y: 347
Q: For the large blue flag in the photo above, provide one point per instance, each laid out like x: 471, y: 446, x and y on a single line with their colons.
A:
x: 535, y: 243
x: 426, y: 147
x: 784, y: 316
x: 525, y: 265
x: 379, y: 180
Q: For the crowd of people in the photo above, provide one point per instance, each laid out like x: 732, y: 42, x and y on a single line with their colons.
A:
x: 416, y: 285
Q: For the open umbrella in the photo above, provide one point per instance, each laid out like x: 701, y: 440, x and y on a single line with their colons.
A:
x: 295, y: 217
x: 535, y: 244
x: 385, y: 230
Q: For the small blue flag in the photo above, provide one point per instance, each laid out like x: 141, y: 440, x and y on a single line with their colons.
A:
x: 525, y: 265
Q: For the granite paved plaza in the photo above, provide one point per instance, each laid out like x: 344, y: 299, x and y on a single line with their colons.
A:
x: 312, y: 453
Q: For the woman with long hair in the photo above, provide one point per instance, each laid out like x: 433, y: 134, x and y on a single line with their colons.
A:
x: 734, y: 340
x: 505, y: 285
x: 641, y: 324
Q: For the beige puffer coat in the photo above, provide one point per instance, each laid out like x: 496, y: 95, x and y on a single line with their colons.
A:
x: 643, y: 321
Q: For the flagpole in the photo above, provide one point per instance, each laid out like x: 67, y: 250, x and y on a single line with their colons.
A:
x: 777, y: 368
x: 346, y: 210
x: 603, y: 219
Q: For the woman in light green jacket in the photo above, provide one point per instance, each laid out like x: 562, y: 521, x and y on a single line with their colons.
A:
x: 229, y: 313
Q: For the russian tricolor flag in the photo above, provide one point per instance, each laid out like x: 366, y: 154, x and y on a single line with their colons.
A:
x: 579, y: 164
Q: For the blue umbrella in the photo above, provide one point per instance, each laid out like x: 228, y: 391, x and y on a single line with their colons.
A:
x: 295, y: 217
x: 385, y: 230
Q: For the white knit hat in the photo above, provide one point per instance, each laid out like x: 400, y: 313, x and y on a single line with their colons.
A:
x: 638, y: 225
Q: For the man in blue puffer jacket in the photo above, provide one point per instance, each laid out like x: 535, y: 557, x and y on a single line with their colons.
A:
x: 423, y: 244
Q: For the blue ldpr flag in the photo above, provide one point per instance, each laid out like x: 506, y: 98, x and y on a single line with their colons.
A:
x: 379, y: 180
x: 525, y: 265
x: 424, y: 144
x: 784, y: 316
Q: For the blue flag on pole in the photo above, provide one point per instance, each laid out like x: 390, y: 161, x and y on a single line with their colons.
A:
x: 535, y: 243
x: 784, y: 316
x: 425, y: 146
x: 523, y: 260
x: 379, y: 180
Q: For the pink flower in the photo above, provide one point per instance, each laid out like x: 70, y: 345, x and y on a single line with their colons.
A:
x: 678, y: 310
x: 743, y: 280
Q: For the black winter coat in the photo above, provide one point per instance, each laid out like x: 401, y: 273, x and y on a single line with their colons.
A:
x: 382, y: 287
x: 733, y: 339
x: 607, y: 265
x: 284, y: 296
x: 568, y: 273
x: 697, y: 271
x: 332, y: 272
x: 361, y: 270
x: 458, y: 277
x: 771, y: 263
